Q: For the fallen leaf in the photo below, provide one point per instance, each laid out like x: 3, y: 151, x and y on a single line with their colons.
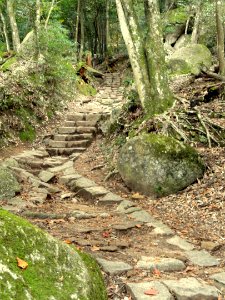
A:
x: 156, y: 272
x: 21, y: 263
x: 106, y: 234
x: 137, y: 196
x: 95, y: 248
x: 138, y: 225
x: 151, y: 292
x: 67, y: 242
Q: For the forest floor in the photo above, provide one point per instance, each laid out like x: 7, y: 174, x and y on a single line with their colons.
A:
x: 195, y: 214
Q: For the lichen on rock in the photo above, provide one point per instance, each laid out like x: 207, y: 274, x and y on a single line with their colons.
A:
x: 158, y: 165
x: 9, y: 185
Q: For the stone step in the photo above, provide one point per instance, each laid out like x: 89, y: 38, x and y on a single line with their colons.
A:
x: 65, y: 151
x: 68, y: 144
x: 76, y: 117
x: 80, y: 123
x: 73, y: 137
x: 80, y: 129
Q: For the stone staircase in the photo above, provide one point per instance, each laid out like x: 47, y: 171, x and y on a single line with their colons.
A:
x: 76, y: 134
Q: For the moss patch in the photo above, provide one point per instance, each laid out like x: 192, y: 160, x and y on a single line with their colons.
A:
x: 86, y: 89
x: 8, y: 64
x: 158, y: 165
x: 55, y: 270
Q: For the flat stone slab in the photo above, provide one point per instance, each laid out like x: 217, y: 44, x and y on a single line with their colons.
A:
x: 114, y: 267
x: 61, y: 168
x: 81, y: 183
x: 162, y: 230
x: 142, y: 216
x: 66, y: 179
x: 138, y: 290
x: 180, y: 243
x: 161, y: 264
x: 201, y: 258
x: 93, y: 192
x: 219, y: 280
x: 46, y: 176
x: 124, y: 205
x: 110, y: 198
x: 191, y: 288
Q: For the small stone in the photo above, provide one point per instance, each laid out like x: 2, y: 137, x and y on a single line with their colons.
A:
x: 191, y: 288
x: 93, y: 192
x: 113, y: 267
x: 81, y: 183
x: 109, y: 248
x: 163, y: 231
x: 201, y: 258
x: 219, y: 280
x: 125, y: 204
x: 131, y: 210
x: 67, y: 179
x: 81, y: 215
x: 74, y: 200
x: 142, y: 216
x: 161, y: 263
x: 46, y: 176
x: 125, y: 226
x: 180, y: 243
x: 66, y: 196
x: 110, y: 198
x: 138, y: 290
x: 104, y: 215
x: 121, y: 244
x: 210, y: 246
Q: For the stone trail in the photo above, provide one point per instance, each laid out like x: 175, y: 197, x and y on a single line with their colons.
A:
x: 46, y: 174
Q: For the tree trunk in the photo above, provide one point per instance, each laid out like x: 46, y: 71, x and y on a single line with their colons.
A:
x: 195, y: 32
x: 49, y: 13
x: 220, y: 37
x: 13, y: 24
x: 5, y: 32
x: 107, y: 30
x: 161, y: 96
x: 146, y: 55
x: 81, y: 31
x: 77, y: 23
x: 37, y: 29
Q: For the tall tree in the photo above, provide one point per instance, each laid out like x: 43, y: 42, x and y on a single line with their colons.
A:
x: 220, y: 36
x: 5, y: 32
x: 13, y: 24
x: 146, y: 55
x: 196, y: 27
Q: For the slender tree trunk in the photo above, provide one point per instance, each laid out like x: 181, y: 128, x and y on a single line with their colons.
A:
x: 220, y: 36
x: 107, y: 37
x: 13, y: 24
x: 161, y: 96
x: 81, y: 31
x: 5, y: 32
x: 37, y: 29
x: 132, y: 52
x: 146, y: 55
x: 49, y: 13
x: 195, y: 32
x: 77, y: 22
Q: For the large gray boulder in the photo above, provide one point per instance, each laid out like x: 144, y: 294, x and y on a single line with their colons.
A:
x: 157, y: 165
x: 192, y: 59
x: 9, y: 185
x: 55, y: 270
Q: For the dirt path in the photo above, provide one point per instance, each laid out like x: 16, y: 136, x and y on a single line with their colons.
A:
x: 141, y: 256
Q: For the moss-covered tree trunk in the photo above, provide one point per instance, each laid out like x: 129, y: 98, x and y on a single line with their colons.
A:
x: 13, y: 24
x: 5, y: 32
x: 220, y: 36
x: 146, y: 54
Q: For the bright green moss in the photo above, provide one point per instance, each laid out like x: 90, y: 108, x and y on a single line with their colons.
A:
x: 55, y: 270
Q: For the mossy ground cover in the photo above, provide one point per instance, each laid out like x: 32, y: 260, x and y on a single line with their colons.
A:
x: 55, y: 270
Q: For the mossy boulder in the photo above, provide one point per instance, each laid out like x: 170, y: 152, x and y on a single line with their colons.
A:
x: 9, y: 185
x: 156, y: 165
x: 196, y: 56
x: 55, y: 270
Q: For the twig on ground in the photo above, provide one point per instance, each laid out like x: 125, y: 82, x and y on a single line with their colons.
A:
x: 114, y: 172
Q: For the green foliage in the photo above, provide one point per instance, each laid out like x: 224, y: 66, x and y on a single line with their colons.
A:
x: 57, y: 50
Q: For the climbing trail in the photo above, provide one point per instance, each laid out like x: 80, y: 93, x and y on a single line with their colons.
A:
x: 141, y: 257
